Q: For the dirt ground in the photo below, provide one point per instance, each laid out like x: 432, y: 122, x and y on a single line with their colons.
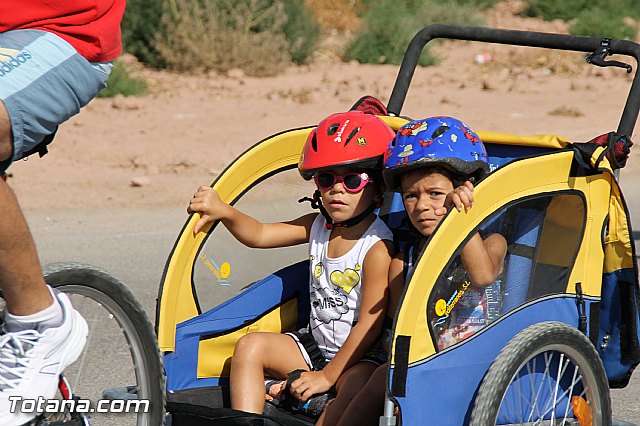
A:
x: 154, y: 151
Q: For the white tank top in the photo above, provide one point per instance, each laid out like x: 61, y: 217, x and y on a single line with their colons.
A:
x: 335, y: 284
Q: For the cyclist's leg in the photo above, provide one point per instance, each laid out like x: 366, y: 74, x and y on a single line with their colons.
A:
x: 257, y: 353
x: 20, y: 278
x: 25, y: 292
x: 43, y: 81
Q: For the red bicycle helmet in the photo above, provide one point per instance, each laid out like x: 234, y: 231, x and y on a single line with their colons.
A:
x: 347, y: 138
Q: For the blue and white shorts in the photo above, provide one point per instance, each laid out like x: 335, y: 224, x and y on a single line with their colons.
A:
x: 43, y: 82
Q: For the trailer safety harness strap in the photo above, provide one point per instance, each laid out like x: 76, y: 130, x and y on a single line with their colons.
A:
x: 401, y: 353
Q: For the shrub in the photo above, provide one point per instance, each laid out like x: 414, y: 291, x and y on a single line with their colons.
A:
x: 389, y: 25
x: 479, y: 4
x: 140, y: 26
x: 606, y: 13
x: 555, y: 9
x: 258, y: 36
x: 416, y: 4
x: 301, y: 30
x: 121, y: 82
x: 295, y: 22
x: 599, y: 22
x: 222, y: 35
x: 387, y: 28
x: 339, y: 15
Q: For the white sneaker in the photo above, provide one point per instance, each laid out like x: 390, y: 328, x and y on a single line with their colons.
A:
x: 31, y: 361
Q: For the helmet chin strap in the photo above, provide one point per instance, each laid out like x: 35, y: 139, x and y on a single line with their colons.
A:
x: 316, y: 203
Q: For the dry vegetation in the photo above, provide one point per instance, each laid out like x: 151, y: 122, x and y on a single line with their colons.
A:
x: 336, y: 15
x: 212, y: 35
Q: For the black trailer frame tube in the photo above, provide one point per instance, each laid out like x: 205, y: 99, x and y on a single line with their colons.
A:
x: 518, y: 38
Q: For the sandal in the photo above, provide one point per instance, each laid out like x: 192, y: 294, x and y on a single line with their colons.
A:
x: 273, y: 390
x: 315, y: 405
x: 312, y: 407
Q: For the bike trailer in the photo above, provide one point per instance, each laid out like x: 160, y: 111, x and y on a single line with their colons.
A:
x: 563, y: 327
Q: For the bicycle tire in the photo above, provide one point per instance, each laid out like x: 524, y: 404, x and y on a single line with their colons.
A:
x: 551, y: 342
x: 106, y: 290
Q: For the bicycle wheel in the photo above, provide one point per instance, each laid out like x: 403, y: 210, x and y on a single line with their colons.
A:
x: 548, y: 374
x: 121, y: 359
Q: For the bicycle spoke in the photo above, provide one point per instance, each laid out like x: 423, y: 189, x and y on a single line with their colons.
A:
x: 575, y: 373
x: 566, y: 392
x: 537, y: 394
x: 83, y: 358
x: 555, y: 389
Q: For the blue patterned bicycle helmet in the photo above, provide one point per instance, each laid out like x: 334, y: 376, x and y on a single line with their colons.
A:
x: 435, y: 141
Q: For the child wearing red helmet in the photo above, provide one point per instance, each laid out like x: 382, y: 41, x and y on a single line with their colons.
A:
x: 349, y: 248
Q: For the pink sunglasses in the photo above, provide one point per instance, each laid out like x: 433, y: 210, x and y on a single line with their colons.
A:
x: 353, y: 182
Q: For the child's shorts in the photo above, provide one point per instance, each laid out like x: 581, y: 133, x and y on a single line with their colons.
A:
x: 316, y: 360
x: 43, y: 82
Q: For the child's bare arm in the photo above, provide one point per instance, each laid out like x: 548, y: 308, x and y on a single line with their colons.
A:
x: 396, y: 283
x: 483, y: 259
x: 371, y: 317
x: 245, y: 228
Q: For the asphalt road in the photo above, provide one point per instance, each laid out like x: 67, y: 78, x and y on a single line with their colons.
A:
x: 133, y: 245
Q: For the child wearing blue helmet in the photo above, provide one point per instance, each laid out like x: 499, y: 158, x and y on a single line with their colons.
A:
x: 433, y: 163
